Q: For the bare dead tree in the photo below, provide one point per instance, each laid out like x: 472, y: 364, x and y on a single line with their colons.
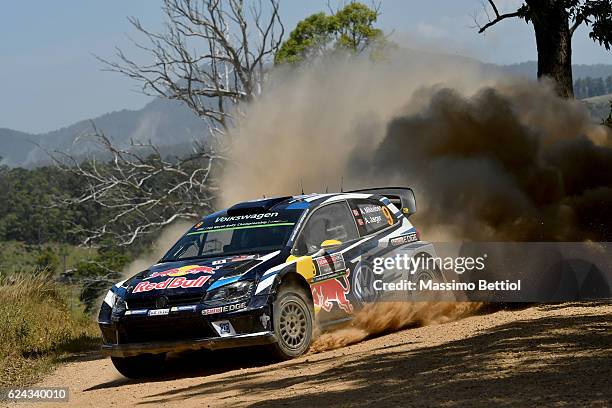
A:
x: 140, y: 191
x: 212, y: 56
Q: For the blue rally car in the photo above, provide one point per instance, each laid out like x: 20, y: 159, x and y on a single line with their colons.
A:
x: 258, y: 273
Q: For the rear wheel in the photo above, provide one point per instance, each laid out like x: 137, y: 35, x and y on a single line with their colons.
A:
x: 293, y: 322
x: 142, y: 366
x: 431, y: 273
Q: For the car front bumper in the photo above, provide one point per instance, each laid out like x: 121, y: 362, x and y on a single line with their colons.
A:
x: 216, y: 343
x: 190, y: 328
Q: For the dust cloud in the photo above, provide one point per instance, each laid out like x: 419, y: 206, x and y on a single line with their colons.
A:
x: 168, y: 236
x: 384, y: 317
x: 490, y: 158
x: 511, y: 162
x: 305, y: 127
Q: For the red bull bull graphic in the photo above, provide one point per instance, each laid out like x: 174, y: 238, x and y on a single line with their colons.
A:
x: 328, y: 292
x: 172, y: 283
x: 183, y: 270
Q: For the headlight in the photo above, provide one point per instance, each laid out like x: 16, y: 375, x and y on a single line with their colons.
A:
x: 111, y: 298
x: 116, y: 302
x: 229, y: 293
x: 119, y: 306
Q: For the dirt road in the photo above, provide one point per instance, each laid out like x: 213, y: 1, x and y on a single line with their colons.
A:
x: 547, y: 355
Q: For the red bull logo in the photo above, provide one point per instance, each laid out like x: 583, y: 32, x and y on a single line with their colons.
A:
x: 183, y: 270
x: 172, y: 283
x: 326, y: 293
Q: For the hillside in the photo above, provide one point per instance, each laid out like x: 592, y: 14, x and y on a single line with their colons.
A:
x: 165, y: 123
x: 529, y: 69
x: 15, y: 146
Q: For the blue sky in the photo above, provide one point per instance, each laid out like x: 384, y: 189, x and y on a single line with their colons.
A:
x: 49, y: 77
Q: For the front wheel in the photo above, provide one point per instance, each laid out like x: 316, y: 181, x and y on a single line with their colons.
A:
x: 293, y: 323
x: 142, y: 366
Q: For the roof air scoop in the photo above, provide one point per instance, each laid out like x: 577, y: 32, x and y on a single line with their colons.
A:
x: 257, y: 206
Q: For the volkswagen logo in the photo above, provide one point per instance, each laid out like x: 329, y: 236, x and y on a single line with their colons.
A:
x: 363, y: 283
x: 161, y: 302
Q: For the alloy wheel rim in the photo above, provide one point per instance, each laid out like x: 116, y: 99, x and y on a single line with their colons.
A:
x: 425, y: 276
x: 292, y: 325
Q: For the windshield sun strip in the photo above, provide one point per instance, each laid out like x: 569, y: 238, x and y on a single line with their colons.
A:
x: 280, y: 224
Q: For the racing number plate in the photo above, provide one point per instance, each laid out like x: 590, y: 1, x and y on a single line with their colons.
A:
x: 224, y: 328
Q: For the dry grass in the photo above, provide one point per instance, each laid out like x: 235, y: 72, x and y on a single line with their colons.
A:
x: 38, y: 327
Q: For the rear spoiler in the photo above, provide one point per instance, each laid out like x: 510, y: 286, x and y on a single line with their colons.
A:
x: 401, y: 197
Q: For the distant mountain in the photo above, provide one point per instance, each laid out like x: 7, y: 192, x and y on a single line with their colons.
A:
x: 529, y: 69
x: 167, y: 124
x: 15, y: 146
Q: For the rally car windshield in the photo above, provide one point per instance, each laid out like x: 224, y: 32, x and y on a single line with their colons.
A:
x: 234, y: 235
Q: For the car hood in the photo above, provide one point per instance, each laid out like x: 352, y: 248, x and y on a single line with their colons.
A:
x: 189, y: 277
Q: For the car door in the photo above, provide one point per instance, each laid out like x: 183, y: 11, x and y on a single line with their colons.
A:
x: 373, y: 219
x: 334, y: 226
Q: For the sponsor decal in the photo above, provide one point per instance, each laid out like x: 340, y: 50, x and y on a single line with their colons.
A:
x: 325, y: 294
x: 172, y: 283
x: 330, y: 264
x: 224, y: 328
x: 298, y: 225
x: 236, y: 258
x: 239, y: 258
x: 189, y: 308
x: 213, y: 310
x: 332, y: 275
x: 403, y: 239
x: 247, y: 217
x: 159, y: 312
x: 183, y: 270
x: 136, y: 312
x: 224, y: 309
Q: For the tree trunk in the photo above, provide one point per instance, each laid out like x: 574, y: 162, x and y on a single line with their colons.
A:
x: 550, y: 21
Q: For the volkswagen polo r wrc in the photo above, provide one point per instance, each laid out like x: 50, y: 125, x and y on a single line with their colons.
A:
x: 259, y: 273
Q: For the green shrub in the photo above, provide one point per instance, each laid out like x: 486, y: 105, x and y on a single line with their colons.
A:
x: 38, y: 327
x: 47, y: 261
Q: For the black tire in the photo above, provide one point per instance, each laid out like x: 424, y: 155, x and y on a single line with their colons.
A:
x: 293, y: 322
x: 142, y: 366
x: 430, y: 274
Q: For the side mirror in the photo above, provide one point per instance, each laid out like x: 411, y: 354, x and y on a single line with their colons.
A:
x: 330, y: 243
